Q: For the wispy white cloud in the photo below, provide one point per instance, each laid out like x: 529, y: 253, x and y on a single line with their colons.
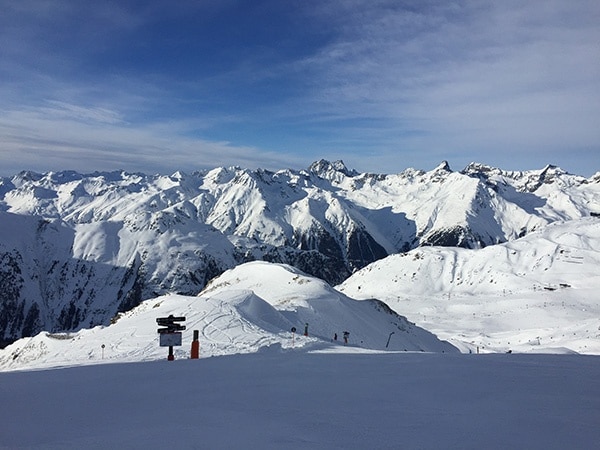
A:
x: 472, y: 77
x: 67, y: 111
x: 33, y: 139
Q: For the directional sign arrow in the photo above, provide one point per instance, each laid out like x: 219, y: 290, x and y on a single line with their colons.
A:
x: 171, y: 329
x: 170, y: 319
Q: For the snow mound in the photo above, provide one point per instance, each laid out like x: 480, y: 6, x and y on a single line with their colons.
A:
x: 257, y: 311
x: 303, y: 299
x: 240, y: 323
x: 232, y: 317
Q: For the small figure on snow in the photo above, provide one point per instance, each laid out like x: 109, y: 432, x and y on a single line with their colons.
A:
x: 335, y: 336
x: 346, y: 335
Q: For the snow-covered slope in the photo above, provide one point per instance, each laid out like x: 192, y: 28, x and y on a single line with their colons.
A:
x: 78, y: 248
x: 297, y: 400
x: 55, y: 276
x: 537, y: 293
x: 247, y: 309
x: 43, y: 281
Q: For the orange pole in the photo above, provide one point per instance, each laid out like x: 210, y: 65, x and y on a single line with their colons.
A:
x: 195, y: 349
x: 195, y: 346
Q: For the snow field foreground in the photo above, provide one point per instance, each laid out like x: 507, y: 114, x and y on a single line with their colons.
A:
x: 308, y: 400
x: 247, y: 309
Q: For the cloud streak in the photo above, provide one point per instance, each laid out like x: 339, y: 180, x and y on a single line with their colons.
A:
x: 87, y: 139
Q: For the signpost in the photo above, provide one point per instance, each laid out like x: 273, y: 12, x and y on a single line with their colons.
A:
x: 170, y: 336
x: 293, y: 334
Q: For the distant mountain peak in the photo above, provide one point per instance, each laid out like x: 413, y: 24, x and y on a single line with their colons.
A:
x: 444, y: 165
x: 26, y: 176
x: 324, y: 168
x: 552, y: 169
x: 475, y: 167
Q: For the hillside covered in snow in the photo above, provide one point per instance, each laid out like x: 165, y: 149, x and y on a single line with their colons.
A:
x: 252, y: 308
x: 539, y: 293
x: 78, y: 249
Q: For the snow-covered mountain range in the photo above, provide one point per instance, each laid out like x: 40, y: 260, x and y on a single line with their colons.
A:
x: 77, y: 249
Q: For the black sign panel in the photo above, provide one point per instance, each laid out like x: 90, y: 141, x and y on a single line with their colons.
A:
x: 172, y: 329
x: 169, y: 323
x: 164, y: 321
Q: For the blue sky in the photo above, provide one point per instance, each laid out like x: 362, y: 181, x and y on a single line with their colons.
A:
x: 159, y: 86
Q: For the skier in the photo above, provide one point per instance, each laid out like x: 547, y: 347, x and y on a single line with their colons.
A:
x: 335, y: 336
x: 346, y: 334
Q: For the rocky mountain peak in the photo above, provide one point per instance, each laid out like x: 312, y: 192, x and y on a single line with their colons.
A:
x: 444, y: 166
x: 324, y: 168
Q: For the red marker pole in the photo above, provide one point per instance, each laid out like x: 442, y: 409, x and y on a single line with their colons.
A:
x: 195, y: 346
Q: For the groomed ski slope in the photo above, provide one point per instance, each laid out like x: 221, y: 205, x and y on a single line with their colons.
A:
x: 293, y: 399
